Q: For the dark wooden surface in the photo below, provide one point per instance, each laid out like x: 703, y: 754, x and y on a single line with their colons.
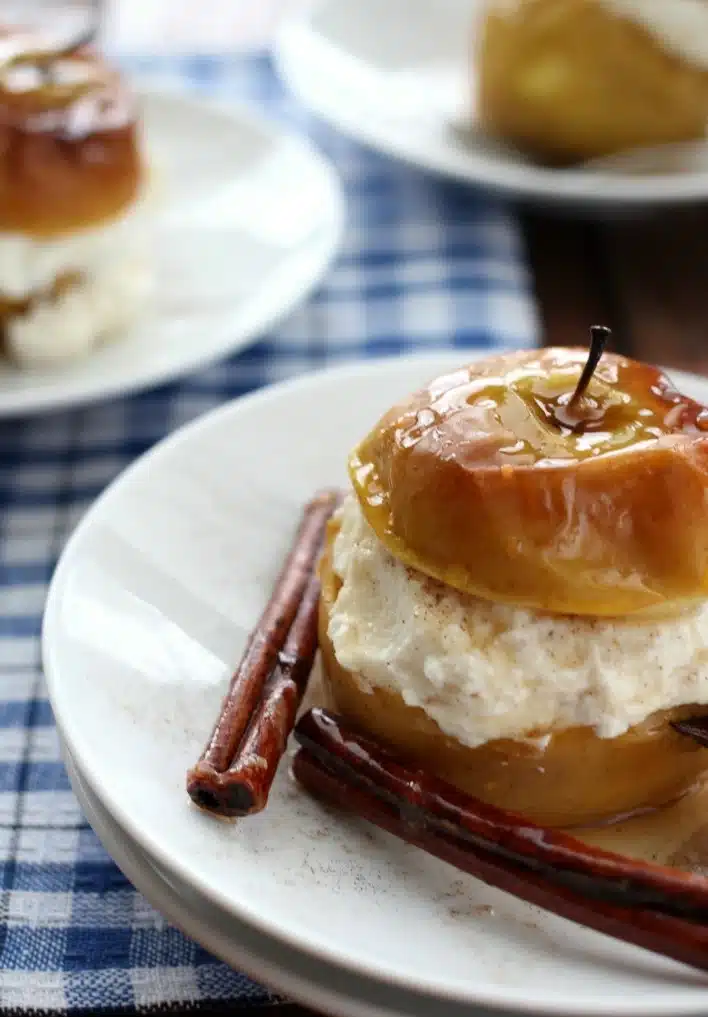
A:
x: 645, y: 278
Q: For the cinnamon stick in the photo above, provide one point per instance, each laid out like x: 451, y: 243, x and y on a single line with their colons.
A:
x: 243, y: 789
x: 231, y: 777
x: 652, y: 906
x: 670, y: 937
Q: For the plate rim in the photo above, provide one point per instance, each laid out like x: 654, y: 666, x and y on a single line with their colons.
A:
x: 57, y: 391
x: 143, y: 874
x: 531, y: 183
x: 495, y: 998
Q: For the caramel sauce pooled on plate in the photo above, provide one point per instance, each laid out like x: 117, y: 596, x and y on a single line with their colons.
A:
x: 675, y: 835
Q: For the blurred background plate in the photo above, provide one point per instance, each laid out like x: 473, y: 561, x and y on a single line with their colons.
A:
x: 248, y: 218
x: 397, y: 75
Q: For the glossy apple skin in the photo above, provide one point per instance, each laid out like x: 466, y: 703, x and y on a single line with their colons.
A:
x: 486, y: 480
x: 574, y: 778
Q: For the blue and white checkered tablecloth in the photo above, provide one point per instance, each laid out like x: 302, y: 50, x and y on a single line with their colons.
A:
x: 425, y: 263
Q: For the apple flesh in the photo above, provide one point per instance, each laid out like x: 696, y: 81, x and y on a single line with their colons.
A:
x: 491, y: 480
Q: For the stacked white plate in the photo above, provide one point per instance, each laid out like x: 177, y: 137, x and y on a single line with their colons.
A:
x: 148, y: 613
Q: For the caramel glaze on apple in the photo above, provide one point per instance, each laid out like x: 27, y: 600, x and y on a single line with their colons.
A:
x: 488, y: 480
x: 68, y: 149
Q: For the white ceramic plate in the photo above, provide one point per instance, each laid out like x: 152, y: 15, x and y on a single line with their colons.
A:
x: 295, y: 975
x: 397, y: 75
x: 248, y: 218
x: 147, y: 613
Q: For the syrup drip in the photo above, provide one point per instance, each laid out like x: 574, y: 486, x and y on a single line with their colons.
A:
x: 676, y: 835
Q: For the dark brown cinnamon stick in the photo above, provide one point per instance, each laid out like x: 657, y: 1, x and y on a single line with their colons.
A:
x: 267, y: 661
x: 652, y: 905
x: 243, y: 789
x: 671, y: 937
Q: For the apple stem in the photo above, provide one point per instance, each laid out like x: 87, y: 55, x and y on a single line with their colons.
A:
x: 599, y: 338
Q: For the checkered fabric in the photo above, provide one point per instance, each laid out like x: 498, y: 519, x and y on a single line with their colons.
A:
x: 425, y: 263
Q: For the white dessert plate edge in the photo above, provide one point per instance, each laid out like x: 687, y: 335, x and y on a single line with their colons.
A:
x: 299, y: 977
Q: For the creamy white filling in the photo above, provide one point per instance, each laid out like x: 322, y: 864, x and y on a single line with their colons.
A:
x: 112, y: 262
x: 484, y: 671
x: 29, y: 265
x: 681, y: 26
x: 58, y: 330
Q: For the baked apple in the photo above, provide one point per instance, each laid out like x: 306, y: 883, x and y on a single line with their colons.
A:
x: 75, y: 268
x: 496, y: 481
x: 514, y: 593
x: 571, y: 80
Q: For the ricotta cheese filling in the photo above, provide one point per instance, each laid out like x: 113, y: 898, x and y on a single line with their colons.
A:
x: 485, y: 671
x: 110, y: 279
x: 62, y: 329
x: 29, y: 265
